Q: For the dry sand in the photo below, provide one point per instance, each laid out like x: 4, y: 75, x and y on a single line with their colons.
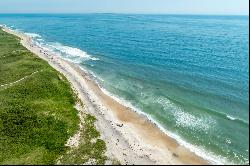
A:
x: 130, y: 137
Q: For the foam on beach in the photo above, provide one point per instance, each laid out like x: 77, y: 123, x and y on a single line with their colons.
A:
x: 33, y: 35
x: 231, y: 118
x: 69, y: 53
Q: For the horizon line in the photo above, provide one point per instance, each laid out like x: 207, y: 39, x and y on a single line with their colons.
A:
x: 205, y: 14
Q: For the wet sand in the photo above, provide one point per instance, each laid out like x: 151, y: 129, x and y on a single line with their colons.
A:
x: 131, y: 138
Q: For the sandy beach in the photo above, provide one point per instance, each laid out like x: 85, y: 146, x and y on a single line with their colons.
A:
x: 131, y: 138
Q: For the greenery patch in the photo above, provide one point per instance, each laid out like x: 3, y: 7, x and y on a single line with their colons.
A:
x: 37, y: 114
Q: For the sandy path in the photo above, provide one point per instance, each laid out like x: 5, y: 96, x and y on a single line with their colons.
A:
x: 12, y: 83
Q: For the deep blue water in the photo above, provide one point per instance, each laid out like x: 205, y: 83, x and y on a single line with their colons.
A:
x: 189, y: 74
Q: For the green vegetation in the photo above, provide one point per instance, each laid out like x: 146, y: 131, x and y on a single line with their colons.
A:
x: 37, y: 114
x: 90, y: 149
x: 116, y: 162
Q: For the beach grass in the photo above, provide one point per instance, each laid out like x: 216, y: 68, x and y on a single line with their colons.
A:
x: 37, y: 114
x: 90, y: 149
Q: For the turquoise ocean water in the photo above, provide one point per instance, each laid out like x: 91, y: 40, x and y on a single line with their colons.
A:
x: 187, y: 73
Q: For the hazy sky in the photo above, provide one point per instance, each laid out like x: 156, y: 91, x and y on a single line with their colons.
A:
x: 126, y: 6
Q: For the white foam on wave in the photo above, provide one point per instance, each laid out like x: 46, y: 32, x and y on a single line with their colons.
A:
x: 231, y: 118
x: 72, y: 52
x: 33, y: 35
x: 185, y: 119
x: 190, y: 121
x: 40, y: 39
x: 57, y: 47
x: 12, y: 28
x: 2, y: 25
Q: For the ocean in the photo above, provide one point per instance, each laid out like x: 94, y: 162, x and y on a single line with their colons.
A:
x: 187, y: 73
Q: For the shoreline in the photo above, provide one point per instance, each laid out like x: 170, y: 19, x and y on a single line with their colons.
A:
x: 129, y: 136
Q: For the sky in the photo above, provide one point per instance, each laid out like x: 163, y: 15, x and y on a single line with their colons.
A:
x: 217, y: 7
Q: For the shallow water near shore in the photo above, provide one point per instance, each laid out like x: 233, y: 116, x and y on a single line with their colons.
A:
x: 187, y: 73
